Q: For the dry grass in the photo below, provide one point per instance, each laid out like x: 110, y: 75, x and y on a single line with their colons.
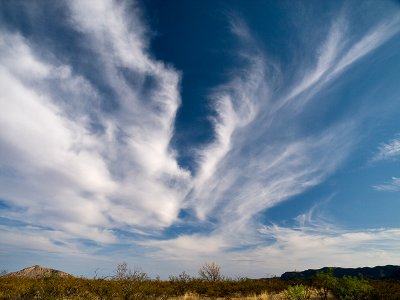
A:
x: 263, y: 296
x: 96, y: 289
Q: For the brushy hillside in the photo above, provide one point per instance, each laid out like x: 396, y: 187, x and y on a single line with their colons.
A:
x: 210, y: 284
x: 54, y: 287
x: 378, y: 272
x: 80, y: 288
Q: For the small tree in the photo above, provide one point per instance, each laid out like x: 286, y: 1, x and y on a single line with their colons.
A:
x: 325, y: 282
x: 297, y: 292
x: 183, y: 277
x: 181, y: 282
x: 352, y: 288
x: 210, y: 272
x: 122, y: 272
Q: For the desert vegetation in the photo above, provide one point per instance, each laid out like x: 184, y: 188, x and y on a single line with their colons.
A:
x: 129, y: 284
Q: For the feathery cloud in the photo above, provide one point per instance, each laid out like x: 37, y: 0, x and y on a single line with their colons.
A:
x: 393, y: 186
x: 388, y: 150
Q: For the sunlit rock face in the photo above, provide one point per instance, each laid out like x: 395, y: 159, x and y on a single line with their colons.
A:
x: 38, y: 272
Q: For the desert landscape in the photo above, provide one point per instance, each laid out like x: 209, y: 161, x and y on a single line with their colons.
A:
x: 37, y: 282
x: 200, y: 149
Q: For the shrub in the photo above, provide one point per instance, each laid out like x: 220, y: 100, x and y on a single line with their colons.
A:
x: 385, y: 289
x: 210, y: 272
x: 297, y: 292
x: 324, y: 282
x: 180, y: 282
x: 352, y: 288
x: 122, y: 272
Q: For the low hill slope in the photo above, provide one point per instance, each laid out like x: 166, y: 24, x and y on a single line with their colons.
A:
x: 378, y: 272
x: 38, y: 272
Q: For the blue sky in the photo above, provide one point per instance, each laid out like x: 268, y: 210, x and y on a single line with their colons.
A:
x: 263, y: 135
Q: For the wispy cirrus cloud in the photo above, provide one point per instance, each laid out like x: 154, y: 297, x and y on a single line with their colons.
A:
x: 313, y: 244
x: 389, y: 150
x: 337, y: 53
x: 242, y: 174
x: 393, y: 186
x: 386, y: 152
x: 373, y: 39
x: 302, y: 248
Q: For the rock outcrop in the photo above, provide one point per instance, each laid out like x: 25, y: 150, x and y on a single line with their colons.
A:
x: 38, y: 272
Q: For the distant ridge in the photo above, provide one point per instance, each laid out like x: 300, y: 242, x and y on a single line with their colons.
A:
x: 378, y: 272
x: 38, y: 272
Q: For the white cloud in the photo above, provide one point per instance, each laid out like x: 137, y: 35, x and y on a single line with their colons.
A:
x: 337, y: 54
x: 282, y: 249
x: 250, y: 167
x: 69, y: 178
x: 316, y: 242
x: 393, y: 186
x: 327, y: 55
x: 388, y: 150
x: 21, y: 61
x: 368, y: 43
x: 236, y: 106
x: 302, y: 248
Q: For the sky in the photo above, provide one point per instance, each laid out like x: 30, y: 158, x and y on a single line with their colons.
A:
x: 261, y: 135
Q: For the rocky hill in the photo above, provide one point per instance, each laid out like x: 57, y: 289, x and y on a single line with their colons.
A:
x: 38, y: 272
x: 378, y: 272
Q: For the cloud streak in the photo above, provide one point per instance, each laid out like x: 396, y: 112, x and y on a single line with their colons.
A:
x: 389, y: 150
x: 393, y: 186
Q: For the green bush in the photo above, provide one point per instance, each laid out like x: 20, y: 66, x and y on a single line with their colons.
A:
x: 352, y: 288
x: 385, y: 289
x: 324, y: 282
x: 298, y: 292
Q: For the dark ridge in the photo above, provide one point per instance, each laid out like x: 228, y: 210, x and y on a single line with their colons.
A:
x: 378, y: 272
